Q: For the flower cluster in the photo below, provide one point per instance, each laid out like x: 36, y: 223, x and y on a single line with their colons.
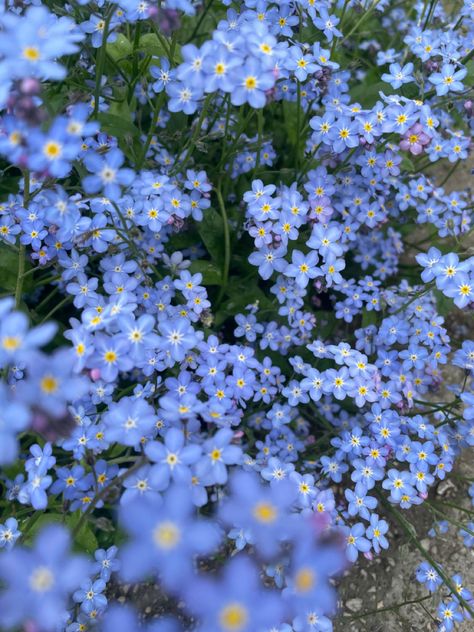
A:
x: 221, y: 343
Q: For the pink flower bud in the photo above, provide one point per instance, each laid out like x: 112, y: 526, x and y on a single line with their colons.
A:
x: 95, y: 374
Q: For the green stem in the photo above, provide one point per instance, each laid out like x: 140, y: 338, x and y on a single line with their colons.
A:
x: 21, y: 249
x: 151, y: 131
x: 163, y: 42
x: 180, y: 165
x: 334, y: 42
x: 104, y: 491
x: 430, y: 13
x: 101, y: 62
x: 260, y: 122
x: 298, y: 122
x: 394, y: 606
x: 362, y: 19
x: 458, y: 507
x: 411, y: 533
x: 200, y: 21
x: 450, y: 173
x: 417, y: 296
x: 135, y: 74
x: 58, y: 306
x: 225, y: 270
x: 442, y: 514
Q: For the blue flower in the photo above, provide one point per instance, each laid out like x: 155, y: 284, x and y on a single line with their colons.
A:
x: 448, y: 80
x: 356, y: 542
x: 218, y: 453
x: 38, y: 582
x: 236, y: 602
x: 165, y: 536
x: 399, y: 76
x: 303, y: 267
x: 14, y: 419
x: 129, y: 421
x: 260, y: 510
x: 172, y: 459
x: 90, y: 596
x: 178, y: 337
x: 9, y: 533
x: 250, y: 83
x: 449, y: 614
x: 376, y: 533
x: 109, y: 176
x: 31, y: 44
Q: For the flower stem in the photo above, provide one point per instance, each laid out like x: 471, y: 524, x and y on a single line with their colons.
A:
x: 225, y: 221
x: 21, y: 250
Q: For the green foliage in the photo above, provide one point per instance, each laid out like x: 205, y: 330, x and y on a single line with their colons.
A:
x: 9, y: 269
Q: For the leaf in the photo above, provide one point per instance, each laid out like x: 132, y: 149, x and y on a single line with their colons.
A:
x: 211, y: 231
x: 407, y: 164
x: 369, y: 318
x: 120, y: 48
x: 470, y: 72
x: 40, y: 521
x: 289, y: 113
x: 85, y: 538
x: 116, y: 125
x: 151, y: 45
x: 211, y: 274
x: 444, y: 304
x: 8, y: 184
x: 9, y: 269
x: 240, y: 295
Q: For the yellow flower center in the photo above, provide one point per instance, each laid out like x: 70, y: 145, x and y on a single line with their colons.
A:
x: 49, y: 384
x: 233, y: 617
x: 265, y: 512
x: 166, y: 535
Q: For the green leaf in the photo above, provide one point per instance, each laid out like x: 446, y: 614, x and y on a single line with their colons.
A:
x: 9, y: 269
x: 39, y: 522
x: 470, y: 72
x: 151, y: 45
x: 8, y: 184
x: 85, y: 538
x: 211, y: 274
x: 444, y: 304
x: 240, y: 295
x: 211, y: 231
x: 289, y: 114
x: 369, y: 318
x: 120, y: 48
x: 117, y: 125
x: 407, y: 164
